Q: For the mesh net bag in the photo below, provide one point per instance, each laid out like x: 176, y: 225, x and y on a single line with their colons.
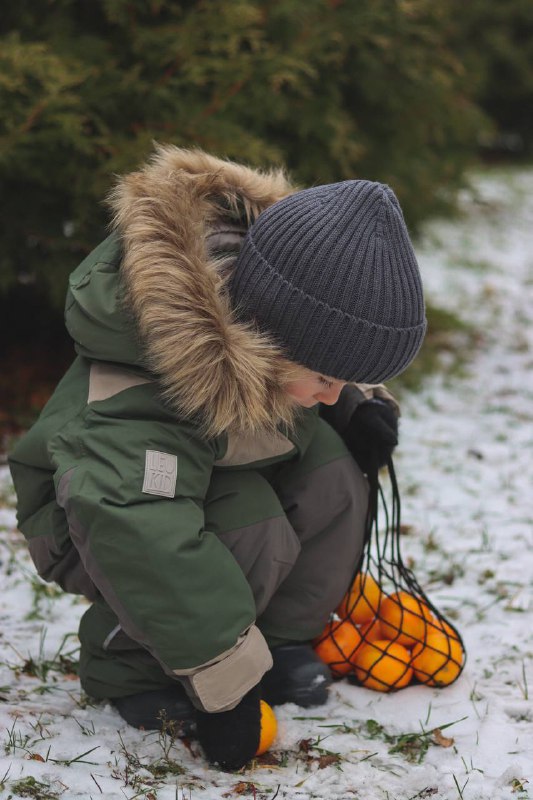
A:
x: 386, y: 633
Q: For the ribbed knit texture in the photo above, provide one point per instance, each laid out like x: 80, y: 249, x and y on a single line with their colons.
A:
x: 330, y: 272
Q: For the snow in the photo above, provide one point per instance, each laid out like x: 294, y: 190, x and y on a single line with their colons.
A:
x: 464, y: 468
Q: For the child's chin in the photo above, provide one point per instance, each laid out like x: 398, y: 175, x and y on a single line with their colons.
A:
x: 307, y: 403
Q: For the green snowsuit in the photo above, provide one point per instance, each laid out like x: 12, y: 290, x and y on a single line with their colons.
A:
x: 151, y: 483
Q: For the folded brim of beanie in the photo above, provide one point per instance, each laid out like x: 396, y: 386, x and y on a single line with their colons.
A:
x: 331, y: 274
x: 325, y: 339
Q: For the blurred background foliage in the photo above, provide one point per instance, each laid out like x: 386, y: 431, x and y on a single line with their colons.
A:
x: 409, y: 92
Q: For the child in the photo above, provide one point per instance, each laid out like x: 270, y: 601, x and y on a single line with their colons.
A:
x: 198, y: 472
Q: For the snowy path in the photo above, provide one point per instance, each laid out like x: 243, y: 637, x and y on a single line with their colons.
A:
x: 465, y: 471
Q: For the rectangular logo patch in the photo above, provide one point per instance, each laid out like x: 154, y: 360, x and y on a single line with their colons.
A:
x: 160, y: 473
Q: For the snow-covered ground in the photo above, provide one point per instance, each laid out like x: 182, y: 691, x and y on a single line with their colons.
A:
x: 464, y: 468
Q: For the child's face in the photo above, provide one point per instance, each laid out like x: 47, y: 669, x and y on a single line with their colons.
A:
x: 313, y: 388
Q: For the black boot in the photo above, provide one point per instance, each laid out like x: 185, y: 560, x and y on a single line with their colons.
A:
x: 151, y: 710
x: 298, y: 676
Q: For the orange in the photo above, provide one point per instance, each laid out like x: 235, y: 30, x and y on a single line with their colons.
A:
x: 443, y: 626
x: 435, y: 624
x: 337, y: 645
x: 269, y: 728
x: 438, y: 662
x: 371, y: 630
x: 404, y: 619
x: 383, y: 665
x: 427, y: 613
x: 362, y: 600
x: 368, y: 632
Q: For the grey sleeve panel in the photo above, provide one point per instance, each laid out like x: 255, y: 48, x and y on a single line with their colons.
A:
x: 266, y: 552
x: 80, y: 537
x: 220, y: 685
x: 327, y: 509
x: 62, y: 565
x: 243, y: 510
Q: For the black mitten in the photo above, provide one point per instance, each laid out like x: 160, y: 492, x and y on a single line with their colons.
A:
x: 372, y: 434
x: 231, y: 738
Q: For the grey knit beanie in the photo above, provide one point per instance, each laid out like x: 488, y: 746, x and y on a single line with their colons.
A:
x: 330, y: 272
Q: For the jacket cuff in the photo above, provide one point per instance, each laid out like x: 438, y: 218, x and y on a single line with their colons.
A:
x: 220, y: 684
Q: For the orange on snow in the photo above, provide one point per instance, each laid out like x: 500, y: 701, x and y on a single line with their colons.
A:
x: 438, y: 661
x: 404, y: 619
x: 383, y: 665
x: 269, y: 728
x: 371, y: 631
x: 337, y: 645
x: 362, y: 600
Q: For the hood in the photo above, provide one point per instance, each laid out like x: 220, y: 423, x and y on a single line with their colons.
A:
x: 210, y: 366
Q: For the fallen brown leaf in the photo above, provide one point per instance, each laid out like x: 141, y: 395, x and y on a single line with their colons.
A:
x: 442, y: 741
x: 268, y: 760
x: 327, y: 760
x: 243, y: 787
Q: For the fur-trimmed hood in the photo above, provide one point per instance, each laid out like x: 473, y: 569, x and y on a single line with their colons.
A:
x: 210, y: 366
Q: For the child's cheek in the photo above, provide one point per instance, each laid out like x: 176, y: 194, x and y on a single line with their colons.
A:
x: 303, y: 392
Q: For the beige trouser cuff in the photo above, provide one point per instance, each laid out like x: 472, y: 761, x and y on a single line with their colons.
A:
x: 220, y: 684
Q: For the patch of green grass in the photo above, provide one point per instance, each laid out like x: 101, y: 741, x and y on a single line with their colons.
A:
x: 325, y: 758
x: 26, y: 742
x: 518, y: 786
x: 412, y: 746
x: 448, y: 343
x: 4, y: 778
x: 133, y: 769
x: 43, y: 595
x: 31, y: 787
x: 39, y: 666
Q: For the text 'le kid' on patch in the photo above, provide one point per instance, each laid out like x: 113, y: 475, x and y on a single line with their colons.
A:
x: 160, y: 473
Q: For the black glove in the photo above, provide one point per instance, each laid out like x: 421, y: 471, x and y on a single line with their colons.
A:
x: 231, y: 738
x: 372, y: 434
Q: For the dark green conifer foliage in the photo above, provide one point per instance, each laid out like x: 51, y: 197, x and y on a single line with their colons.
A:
x: 494, y: 41
x: 333, y: 89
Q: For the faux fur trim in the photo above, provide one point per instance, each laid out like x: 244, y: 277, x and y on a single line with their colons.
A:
x: 212, y: 368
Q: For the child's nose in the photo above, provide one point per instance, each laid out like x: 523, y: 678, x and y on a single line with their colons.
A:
x: 331, y: 395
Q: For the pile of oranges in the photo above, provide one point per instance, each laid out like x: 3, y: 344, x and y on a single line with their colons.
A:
x: 385, y: 640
